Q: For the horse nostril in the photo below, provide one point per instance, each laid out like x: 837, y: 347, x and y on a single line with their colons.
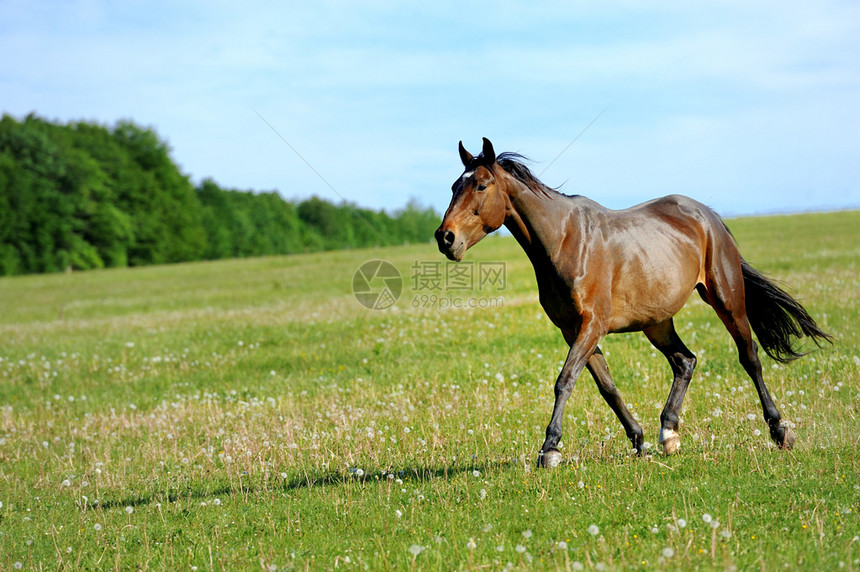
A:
x: 448, y: 238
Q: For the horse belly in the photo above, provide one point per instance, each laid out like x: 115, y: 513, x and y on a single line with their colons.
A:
x: 642, y: 299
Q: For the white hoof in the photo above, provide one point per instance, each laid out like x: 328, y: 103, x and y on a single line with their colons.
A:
x: 670, y: 440
x: 788, y: 440
x: 551, y: 459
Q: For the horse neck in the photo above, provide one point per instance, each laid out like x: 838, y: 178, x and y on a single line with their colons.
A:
x: 533, y: 219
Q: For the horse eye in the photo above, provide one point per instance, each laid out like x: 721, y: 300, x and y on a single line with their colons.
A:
x: 481, y: 188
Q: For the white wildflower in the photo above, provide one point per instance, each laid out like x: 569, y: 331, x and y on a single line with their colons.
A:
x: 668, y: 552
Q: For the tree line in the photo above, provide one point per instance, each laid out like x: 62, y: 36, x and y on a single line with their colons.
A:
x: 82, y: 195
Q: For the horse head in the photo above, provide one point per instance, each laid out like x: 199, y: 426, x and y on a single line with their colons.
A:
x: 478, y: 205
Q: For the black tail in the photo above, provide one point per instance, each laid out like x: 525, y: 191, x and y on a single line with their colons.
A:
x: 776, y: 317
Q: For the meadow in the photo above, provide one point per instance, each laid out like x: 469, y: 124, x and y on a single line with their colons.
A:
x: 251, y: 414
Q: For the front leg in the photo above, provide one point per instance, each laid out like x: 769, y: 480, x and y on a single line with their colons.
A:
x: 600, y: 372
x: 581, y: 349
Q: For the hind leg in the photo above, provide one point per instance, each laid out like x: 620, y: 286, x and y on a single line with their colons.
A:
x: 730, y: 306
x: 748, y: 352
x: 598, y: 369
x: 664, y: 337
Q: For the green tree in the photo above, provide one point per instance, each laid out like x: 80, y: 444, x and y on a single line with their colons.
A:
x: 82, y: 195
x: 164, y: 203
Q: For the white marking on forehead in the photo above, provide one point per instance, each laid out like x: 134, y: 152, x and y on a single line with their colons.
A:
x: 467, y: 174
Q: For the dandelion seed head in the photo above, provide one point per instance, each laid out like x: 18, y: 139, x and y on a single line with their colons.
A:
x: 471, y: 545
x: 520, y: 548
x: 527, y: 534
x: 593, y: 530
x: 668, y: 552
x: 129, y: 509
x: 707, y: 518
x: 416, y: 549
x: 682, y: 523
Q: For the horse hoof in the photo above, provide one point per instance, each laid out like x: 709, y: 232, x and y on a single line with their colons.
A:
x: 670, y: 440
x: 550, y: 459
x: 783, y: 436
x: 787, y: 440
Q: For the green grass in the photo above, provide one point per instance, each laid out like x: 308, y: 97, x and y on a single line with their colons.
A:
x: 251, y: 414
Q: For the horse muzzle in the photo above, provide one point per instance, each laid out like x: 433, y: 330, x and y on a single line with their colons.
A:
x: 450, y: 244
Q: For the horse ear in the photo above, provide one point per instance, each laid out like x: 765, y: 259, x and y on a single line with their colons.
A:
x: 465, y: 156
x: 488, y: 152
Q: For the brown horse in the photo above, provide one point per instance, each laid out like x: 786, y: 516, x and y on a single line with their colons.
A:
x: 601, y: 271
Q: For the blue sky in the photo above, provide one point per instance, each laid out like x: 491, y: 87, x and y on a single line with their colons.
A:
x: 749, y: 107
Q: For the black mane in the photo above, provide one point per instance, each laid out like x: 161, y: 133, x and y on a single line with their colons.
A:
x: 514, y: 165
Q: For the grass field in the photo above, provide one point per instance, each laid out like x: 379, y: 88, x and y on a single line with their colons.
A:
x: 252, y: 414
